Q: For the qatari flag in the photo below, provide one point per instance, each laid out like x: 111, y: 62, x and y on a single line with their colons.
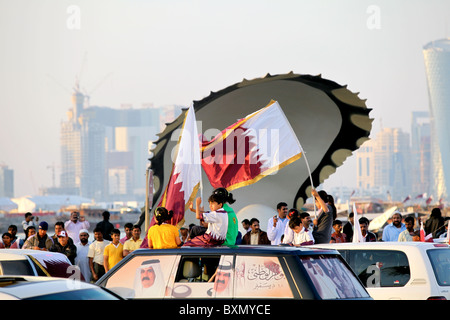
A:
x: 250, y: 149
x: 185, y: 179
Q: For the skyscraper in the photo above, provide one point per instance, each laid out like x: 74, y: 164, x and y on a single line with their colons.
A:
x: 437, y: 65
x: 383, y: 164
x: 6, y: 182
x: 104, y: 151
x: 421, y: 153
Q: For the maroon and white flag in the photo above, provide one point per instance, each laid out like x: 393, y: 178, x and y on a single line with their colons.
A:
x: 250, y: 149
x: 185, y: 179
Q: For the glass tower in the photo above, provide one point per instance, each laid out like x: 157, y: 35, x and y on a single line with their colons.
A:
x: 437, y: 65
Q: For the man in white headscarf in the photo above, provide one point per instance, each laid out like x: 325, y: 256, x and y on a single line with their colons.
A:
x: 82, y: 260
x: 222, y: 280
x: 149, y: 280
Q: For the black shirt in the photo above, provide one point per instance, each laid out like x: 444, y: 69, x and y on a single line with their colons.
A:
x: 106, y: 228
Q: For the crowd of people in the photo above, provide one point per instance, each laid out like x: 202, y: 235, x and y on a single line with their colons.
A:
x: 217, y: 226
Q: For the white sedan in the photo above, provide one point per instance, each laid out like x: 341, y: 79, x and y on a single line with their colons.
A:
x: 50, y: 288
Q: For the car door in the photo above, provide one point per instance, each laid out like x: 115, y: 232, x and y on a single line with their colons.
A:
x: 202, y: 276
x: 142, y: 277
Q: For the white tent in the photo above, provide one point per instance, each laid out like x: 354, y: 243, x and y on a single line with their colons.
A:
x: 7, y: 205
x: 47, y: 203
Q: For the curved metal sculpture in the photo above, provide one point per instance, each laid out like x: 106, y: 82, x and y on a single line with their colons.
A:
x: 329, y: 120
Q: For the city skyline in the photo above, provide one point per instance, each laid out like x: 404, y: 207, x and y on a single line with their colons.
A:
x: 174, y: 52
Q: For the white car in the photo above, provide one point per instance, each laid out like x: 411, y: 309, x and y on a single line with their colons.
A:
x: 35, y: 263
x: 399, y: 270
x: 50, y: 288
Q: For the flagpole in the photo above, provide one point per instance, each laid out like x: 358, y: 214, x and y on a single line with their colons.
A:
x: 147, y: 185
x: 310, y: 179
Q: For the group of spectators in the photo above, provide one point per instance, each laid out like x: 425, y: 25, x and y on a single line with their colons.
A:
x: 218, y: 226
x: 71, y: 238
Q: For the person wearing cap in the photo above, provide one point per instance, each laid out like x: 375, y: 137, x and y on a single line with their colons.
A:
x: 393, y: 230
x: 184, y: 234
x: 39, y: 241
x: 59, y: 226
x: 82, y: 259
x: 63, y: 246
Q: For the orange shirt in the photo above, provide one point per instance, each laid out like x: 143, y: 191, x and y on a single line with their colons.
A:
x: 163, y: 236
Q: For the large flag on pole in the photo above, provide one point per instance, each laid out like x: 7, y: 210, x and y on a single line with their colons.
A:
x: 250, y: 149
x: 185, y: 179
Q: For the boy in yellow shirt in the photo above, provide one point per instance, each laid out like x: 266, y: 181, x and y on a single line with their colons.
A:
x: 113, y: 251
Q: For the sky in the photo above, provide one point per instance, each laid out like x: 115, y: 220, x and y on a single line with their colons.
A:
x: 173, y: 52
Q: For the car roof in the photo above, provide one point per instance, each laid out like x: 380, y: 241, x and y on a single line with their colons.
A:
x: 241, y: 249
x: 15, y: 254
x: 5, y: 255
x: 30, y: 286
x: 383, y: 245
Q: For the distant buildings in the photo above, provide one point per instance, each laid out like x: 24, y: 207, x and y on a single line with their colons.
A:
x: 383, y: 165
x: 105, y: 151
x: 421, y: 160
x: 390, y: 166
x: 437, y: 65
x: 6, y: 182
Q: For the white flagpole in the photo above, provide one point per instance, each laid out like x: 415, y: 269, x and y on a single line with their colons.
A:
x: 310, y: 179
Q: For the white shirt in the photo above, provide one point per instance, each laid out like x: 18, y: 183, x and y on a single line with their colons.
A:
x: 217, y: 223
x: 288, y: 234
x: 274, y: 234
x: 303, y: 236
x: 82, y: 260
x: 73, y: 229
x: 96, y: 250
x: 26, y: 224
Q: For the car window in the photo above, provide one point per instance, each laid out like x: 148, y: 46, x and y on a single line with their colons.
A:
x: 260, y: 277
x: 380, y: 268
x: 17, y: 267
x: 440, y: 261
x: 142, y: 277
x: 331, y: 278
x: 200, y: 276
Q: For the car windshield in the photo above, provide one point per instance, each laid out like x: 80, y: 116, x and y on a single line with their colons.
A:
x: 332, y: 279
x: 440, y: 261
x: 84, y: 294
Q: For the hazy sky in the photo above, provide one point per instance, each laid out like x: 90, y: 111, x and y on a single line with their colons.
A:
x: 172, y: 52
